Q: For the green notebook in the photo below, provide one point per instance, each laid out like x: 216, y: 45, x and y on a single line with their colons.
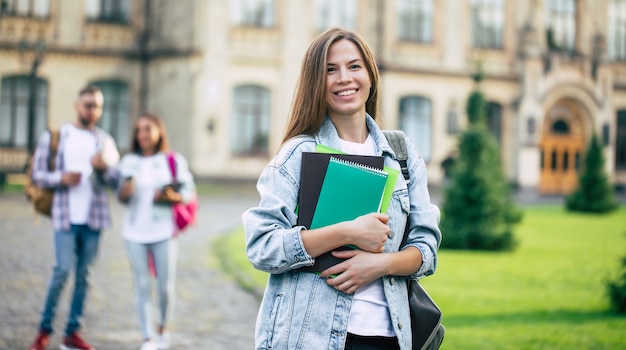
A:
x: 349, y: 191
x: 392, y: 178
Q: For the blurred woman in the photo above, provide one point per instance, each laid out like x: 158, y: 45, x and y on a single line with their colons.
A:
x: 148, y: 189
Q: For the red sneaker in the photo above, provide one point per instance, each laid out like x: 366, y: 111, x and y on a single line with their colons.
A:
x: 41, y: 342
x: 75, y: 342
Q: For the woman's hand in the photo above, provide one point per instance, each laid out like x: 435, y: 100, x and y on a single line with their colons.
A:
x: 167, y: 195
x: 360, y: 269
x: 370, y: 232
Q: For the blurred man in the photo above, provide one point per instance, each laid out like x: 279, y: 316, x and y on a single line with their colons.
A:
x: 80, y: 210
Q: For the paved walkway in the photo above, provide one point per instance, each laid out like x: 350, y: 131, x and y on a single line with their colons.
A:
x: 212, y: 312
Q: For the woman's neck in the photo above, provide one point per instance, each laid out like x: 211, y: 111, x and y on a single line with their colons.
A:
x: 351, y: 130
x: 148, y: 152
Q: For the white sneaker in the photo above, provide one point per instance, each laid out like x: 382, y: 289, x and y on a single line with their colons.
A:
x: 149, y: 345
x: 162, y: 340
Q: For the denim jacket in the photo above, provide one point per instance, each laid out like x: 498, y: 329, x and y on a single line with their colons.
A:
x: 299, y: 310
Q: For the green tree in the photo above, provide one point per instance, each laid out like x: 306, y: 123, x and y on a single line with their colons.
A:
x: 594, y: 193
x: 478, y: 211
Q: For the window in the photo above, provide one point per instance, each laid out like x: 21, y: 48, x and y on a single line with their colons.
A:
x: 251, y: 121
x: 415, y: 121
x: 560, y: 127
x: 115, y: 112
x: 620, y: 141
x: 252, y: 13
x: 494, y: 120
x: 561, y: 24
x: 415, y: 20
x: 14, y: 111
x: 452, y: 125
x: 111, y: 11
x: 606, y: 134
x: 487, y: 23
x: 26, y: 8
x: 336, y: 13
x: 617, y: 30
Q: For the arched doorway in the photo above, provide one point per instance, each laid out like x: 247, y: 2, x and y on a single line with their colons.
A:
x: 562, y: 147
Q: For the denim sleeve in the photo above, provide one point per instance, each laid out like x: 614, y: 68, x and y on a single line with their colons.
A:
x: 273, y: 243
x: 424, y: 216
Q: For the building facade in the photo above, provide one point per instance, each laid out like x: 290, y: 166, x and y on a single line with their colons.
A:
x: 222, y: 75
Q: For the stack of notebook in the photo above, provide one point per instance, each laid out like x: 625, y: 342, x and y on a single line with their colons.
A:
x: 338, y: 187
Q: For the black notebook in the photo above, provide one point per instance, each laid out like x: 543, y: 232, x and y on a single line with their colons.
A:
x: 312, y: 174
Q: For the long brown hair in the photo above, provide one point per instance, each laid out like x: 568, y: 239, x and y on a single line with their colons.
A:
x: 309, y: 103
x: 162, y: 145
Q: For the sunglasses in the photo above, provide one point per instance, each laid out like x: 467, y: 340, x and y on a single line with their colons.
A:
x: 91, y: 105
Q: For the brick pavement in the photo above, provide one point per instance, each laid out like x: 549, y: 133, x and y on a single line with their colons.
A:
x: 212, y: 312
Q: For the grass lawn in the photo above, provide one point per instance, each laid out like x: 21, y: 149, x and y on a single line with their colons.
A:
x: 548, y: 294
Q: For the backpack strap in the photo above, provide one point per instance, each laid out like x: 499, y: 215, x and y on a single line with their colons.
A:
x: 55, y: 135
x: 171, y: 160
x: 397, y: 141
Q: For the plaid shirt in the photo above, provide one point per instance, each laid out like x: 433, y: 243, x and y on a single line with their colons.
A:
x: 99, y: 212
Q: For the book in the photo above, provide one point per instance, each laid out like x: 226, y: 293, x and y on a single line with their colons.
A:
x: 347, y: 191
x: 312, y: 173
x: 365, y: 160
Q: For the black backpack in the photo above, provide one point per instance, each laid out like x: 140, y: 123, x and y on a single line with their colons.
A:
x: 426, y: 328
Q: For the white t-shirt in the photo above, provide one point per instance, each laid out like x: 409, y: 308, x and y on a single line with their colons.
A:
x: 141, y: 227
x: 369, y: 314
x: 79, y: 146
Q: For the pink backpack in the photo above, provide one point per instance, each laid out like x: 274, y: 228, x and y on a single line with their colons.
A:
x: 184, y: 213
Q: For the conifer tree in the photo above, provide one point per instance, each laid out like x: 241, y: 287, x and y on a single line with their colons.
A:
x: 594, y: 193
x: 478, y: 212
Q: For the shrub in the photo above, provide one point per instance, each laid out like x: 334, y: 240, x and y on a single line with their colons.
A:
x: 594, y: 193
x: 617, y: 290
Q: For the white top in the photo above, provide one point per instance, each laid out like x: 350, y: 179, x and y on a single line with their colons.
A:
x: 143, y: 226
x: 369, y: 314
x: 80, y: 146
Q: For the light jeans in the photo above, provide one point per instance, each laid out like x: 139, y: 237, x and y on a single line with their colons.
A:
x: 77, y: 247
x: 165, y: 255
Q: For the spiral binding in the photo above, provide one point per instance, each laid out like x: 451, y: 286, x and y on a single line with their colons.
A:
x: 360, y: 166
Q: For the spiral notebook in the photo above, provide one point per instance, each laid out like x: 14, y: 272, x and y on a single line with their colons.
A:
x: 349, y: 191
x: 313, y: 170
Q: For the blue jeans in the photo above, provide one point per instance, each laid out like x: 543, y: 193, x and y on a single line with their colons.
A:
x: 74, y: 248
x: 165, y: 255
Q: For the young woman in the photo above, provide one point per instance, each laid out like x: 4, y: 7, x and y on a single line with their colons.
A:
x: 149, y: 230
x: 360, y: 303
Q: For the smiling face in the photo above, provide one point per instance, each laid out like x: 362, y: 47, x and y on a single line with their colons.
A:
x: 348, y: 81
x: 147, y: 135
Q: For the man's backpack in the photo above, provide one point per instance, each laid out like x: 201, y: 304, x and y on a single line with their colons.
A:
x: 42, y: 197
